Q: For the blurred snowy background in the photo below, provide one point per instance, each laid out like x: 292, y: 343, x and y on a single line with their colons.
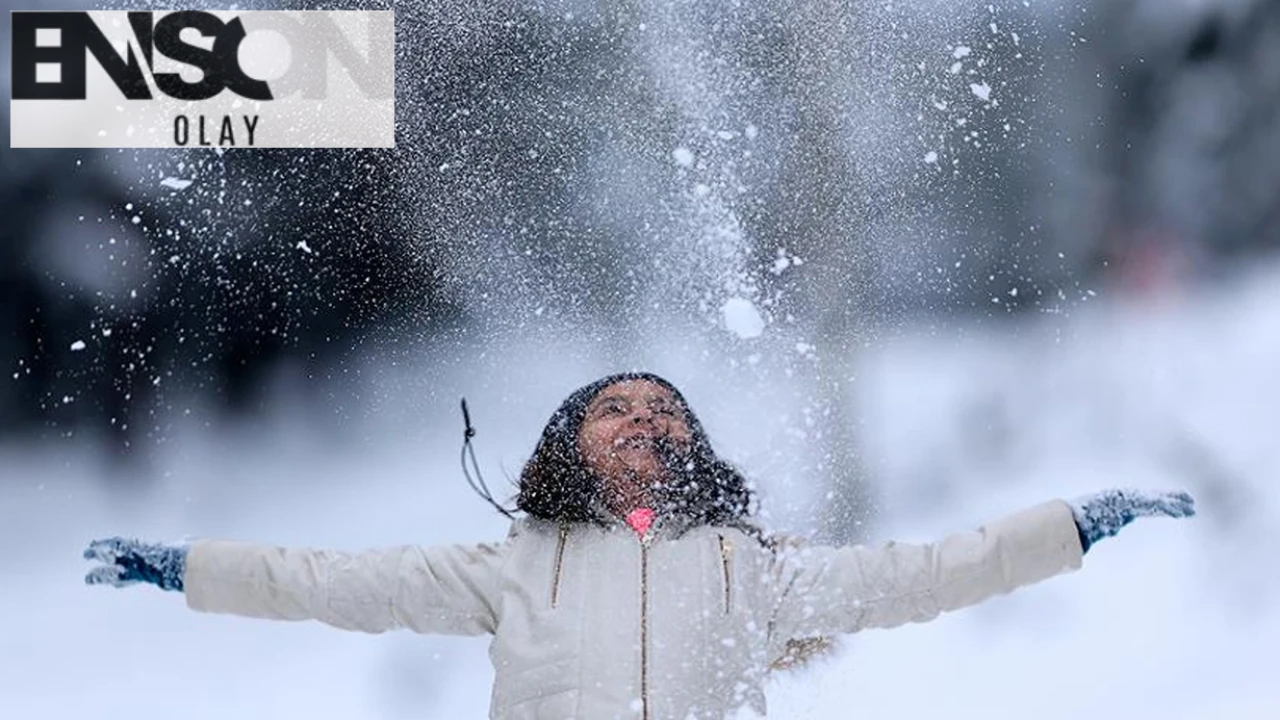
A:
x: 915, y: 265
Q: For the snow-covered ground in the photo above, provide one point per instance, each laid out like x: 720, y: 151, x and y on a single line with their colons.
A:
x: 1173, y: 619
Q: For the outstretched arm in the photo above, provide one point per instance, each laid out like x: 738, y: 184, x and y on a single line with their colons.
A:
x: 830, y: 590
x: 448, y: 589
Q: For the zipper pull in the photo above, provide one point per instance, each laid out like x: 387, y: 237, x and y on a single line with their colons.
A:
x: 559, y: 565
x: 726, y: 563
x: 726, y: 548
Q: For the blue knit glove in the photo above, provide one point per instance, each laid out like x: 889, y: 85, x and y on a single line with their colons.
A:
x: 1103, y: 514
x: 132, y: 561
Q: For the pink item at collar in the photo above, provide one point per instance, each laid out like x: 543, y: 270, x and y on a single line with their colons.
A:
x: 640, y: 520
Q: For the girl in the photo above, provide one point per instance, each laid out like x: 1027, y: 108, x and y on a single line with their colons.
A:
x: 636, y: 584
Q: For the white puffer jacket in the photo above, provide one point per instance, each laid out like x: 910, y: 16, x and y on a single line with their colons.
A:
x: 590, y: 623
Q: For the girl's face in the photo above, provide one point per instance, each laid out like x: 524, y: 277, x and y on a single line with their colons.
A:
x: 618, y: 434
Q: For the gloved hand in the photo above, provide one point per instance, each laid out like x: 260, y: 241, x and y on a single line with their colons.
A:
x: 132, y: 561
x: 1103, y: 514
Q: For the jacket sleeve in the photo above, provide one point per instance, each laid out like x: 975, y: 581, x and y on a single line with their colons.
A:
x: 827, y: 590
x: 448, y: 589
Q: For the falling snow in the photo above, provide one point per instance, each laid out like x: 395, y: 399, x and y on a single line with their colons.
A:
x: 175, y: 183
x: 742, y: 318
x: 648, y: 190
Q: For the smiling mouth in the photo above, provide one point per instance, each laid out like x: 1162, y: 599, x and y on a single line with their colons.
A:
x: 639, y: 441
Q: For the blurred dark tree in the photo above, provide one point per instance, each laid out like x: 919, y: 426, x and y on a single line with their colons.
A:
x: 311, y: 257
x: 1177, y: 136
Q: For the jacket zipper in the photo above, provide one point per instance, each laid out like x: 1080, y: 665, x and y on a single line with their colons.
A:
x: 726, y: 561
x: 644, y: 627
x: 555, y: 578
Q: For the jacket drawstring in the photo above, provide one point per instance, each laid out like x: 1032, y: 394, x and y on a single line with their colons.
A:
x: 468, y: 452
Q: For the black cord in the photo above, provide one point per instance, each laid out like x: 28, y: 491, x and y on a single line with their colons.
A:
x: 468, y: 453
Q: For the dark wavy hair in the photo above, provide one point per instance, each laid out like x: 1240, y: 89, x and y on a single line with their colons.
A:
x: 556, y: 484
